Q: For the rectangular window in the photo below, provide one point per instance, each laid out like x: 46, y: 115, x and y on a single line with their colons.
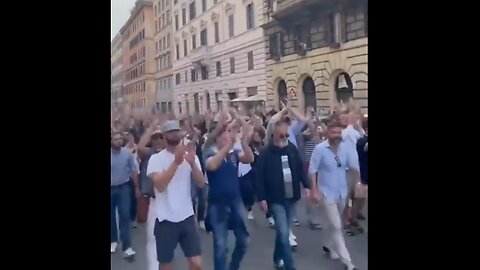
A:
x: 250, y: 60
x: 251, y: 91
x: 178, y: 51
x: 204, y: 5
x: 184, y: 16
x: 194, y: 41
x: 335, y: 29
x: 302, y: 39
x: 231, y: 32
x: 219, y: 68
x: 192, y: 10
x: 168, y: 17
x: 194, y: 75
x: 203, y: 37
x: 217, y: 33
x: 177, y: 79
x: 276, y: 44
x: 232, y: 65
x: 176, y: 22
x: 185, y: 47
x: 204, y: 71
x: 250, y: 16
x: 168, y: 40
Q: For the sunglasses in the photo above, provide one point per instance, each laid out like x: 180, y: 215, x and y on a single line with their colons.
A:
x: 339, y: 164
x: 284, y: 136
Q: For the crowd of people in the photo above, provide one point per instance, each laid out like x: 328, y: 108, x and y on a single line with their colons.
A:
x: 207, y: 172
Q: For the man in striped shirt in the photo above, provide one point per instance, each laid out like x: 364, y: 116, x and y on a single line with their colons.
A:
x: 310, y: 138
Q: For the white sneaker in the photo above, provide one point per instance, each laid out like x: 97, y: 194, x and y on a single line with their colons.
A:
x: 271, y: 221
x: 201, y: 224
x: 333, y: 255
x: 350, y: 267
x: 113, y: 247
x: 292, y: 235
x: 293, y: 243
x: 129, y: 252
x: 280, y: 264
x: 250, y: 215
x: 134, y: 224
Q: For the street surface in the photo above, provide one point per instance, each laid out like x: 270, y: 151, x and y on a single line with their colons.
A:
x: 309, y: 254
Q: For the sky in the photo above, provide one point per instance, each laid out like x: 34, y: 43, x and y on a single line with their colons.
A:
x: 120, y: 11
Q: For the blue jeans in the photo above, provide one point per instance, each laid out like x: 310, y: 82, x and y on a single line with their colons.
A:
x: 133, y: 202
x: 222, y: 218
x: 120, y: 198
x: 281, y: 215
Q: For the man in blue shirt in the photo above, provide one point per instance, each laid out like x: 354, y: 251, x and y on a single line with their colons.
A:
x: 328, y: 175
x: 225, y: 206
x: 123, y: 168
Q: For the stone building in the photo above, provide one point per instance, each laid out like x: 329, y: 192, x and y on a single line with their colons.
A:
x: 317, y: 50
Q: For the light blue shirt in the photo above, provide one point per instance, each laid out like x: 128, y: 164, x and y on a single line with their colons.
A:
x: 122, y: 167
x: 294, y: 129
x: 332, y: 178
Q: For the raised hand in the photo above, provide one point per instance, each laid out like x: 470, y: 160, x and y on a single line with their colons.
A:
x: 180, y: 154
x: 190, y: 153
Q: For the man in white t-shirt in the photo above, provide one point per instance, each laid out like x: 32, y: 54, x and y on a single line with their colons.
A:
x: 171, y: 171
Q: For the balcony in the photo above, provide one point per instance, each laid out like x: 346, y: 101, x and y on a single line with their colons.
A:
x: 201, y: 54
x: 286, y: 8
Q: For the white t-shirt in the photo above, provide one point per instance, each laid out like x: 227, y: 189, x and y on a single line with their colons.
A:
x: 242, y: 168
x: 175, y: 202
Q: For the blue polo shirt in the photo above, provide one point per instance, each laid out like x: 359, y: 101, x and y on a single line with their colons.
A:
x: 223, y: 184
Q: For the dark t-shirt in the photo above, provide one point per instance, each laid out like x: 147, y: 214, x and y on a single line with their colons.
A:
x: 223, y: 183
x: 146, y: 183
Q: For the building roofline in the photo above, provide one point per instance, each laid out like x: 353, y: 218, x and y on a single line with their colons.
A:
x: 139, y: 4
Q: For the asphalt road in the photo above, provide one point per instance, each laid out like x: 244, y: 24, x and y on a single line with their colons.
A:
x: 309, y: 255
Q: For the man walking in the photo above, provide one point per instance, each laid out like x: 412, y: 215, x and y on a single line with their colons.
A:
x: 225, y: 206
x: 172, y: 171
x: 279, y: 172
x: 328, y: 174
x: 123, y: 168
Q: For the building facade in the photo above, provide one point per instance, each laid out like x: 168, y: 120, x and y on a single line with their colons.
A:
x: 116, y: 59
x: 163, y: 55
x: 317, y: 51
x: 138, y: 61
x: 219, y: 52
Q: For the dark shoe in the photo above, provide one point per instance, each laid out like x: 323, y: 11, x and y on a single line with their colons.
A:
x: 354, y: 225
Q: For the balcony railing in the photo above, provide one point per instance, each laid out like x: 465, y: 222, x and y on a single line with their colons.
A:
x: 288, y: 7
